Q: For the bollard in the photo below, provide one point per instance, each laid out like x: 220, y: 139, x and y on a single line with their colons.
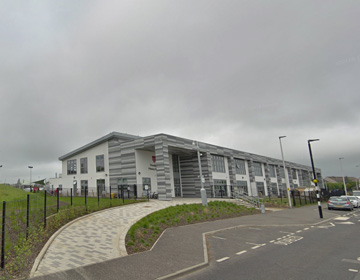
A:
x: 262, y: 208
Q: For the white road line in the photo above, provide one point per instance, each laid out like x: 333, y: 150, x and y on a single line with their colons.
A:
x: 255, y: 228
x: 299, y: 231
x: 342, y: 218
x: 223, y: 259
x: 353, y: 270
x: 272, y: 241
x: 219, y: 237
x: 286, y: 232
x: 255, y: 247
x: 242, y: 252
x: 306, y: 228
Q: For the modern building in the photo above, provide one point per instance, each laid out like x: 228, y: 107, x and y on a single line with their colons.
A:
x: 169, y: 166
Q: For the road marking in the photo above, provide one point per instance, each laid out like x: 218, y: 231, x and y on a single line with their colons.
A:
x: 286, y: 232
x: 242, y: 252
x: 272, y: 241
x: 256, y: 245
x: 299, y: 231
x: 352, y: 261
x: 289, y: 240
x: 358, y: 259
x: 223, y: 259
x: 255, y: 228
x: 353, y: 270
x: 346, y: 223
x: 306, y: 228
x: 342, y: 218
x: 219, y: 237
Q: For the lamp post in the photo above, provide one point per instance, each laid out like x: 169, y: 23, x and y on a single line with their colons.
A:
x: 358, y: 179
x: 30, y: 167
x: 315, y: 180
x: 342, y: 174
x: 286, y: 177
x: 0, y: 167
x: 202, y: 190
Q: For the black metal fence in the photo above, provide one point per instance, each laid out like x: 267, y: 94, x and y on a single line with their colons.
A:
x: 21, y: 217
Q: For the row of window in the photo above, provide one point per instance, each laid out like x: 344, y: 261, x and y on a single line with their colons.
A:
x: 219, y: 166
x: 72, y: 165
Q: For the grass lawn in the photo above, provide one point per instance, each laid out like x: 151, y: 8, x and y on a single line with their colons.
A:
x: 9, y: 193
x: 145, y: 232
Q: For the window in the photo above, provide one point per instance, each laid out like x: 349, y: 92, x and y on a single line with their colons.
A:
x: 175, y: 160
x: 258, y: 169
x: 240, y: 166
x: 294, y: 174
x: 100, y: 165
x: 71, y: 166
x: 242, y: 187
x: 260, y: 188
x: 273, y: 189
x: 83, y: 166
x: 272, y: 171
x: 220, y: 188
x: 218, y: 163
x: 84, y: 187
x: 282, y: 174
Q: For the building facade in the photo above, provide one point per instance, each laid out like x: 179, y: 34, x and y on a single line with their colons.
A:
x: 168, y: 165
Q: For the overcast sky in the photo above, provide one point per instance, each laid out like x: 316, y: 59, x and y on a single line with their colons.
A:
x: 236, y: 74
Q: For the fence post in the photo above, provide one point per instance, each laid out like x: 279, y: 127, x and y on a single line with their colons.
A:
x: 57, y: 200
x: 45, y: 195
x: 300, y: 197
x: 293, y: 196
x: 3, y: 236
x: 27, y: 215
x: 86, y: 198
x: 110, y: 196
x: 71, y: 194
x: 98, y: 195
x: 122, y: 193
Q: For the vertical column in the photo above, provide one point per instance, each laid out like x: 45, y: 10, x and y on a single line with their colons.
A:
x: 207, y: 172
x: 267, y: 180
x: 163, y: 168
x: 232, y: 172
x: 252, y: 187
x: 291, y: 179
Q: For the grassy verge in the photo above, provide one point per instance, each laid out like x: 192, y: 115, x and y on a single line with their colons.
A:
x: 20, y: 252
x: 145, y: 232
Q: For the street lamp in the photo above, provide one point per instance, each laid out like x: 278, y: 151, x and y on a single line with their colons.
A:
x: 286, y: 177
x: 202, y: 190
x: 358, y: 179
x: 30, y: 167
x: 315, y: 180
x: 342, y: 174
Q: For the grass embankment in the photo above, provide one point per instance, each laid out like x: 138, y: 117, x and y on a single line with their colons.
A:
x: 20, y: 253
x: 145, y: 232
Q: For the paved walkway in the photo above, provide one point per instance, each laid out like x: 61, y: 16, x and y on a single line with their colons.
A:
x: 95, y: 238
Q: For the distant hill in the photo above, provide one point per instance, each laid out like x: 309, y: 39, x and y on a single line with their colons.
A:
x: 335, y: 179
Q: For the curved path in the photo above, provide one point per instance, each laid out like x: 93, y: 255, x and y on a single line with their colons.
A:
x: 96, y: 237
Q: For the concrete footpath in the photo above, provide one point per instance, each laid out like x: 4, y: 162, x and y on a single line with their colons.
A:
x: 178, y: 249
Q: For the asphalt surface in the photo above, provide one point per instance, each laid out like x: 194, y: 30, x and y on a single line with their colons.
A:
x: 183, y: 249
x: 324, y: 251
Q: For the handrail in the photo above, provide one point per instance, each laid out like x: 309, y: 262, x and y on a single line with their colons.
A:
x: 253, y: 200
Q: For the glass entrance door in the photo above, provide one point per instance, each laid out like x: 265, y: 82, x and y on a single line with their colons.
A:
x: 146, y: 186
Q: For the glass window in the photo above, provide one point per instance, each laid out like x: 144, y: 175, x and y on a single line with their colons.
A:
x: 273, y: 189
x: 175, y: 160
x: 84, y: 187
x: 100, y: 164
x: 282, y: 174
x: 272, y: 171
x: 294, y: 174
x: 242, y: 187
x: 218, y: 163
x: 83, y: 166
x: 220, y: 188
x: 258, y: 169
x: 71, y: 166
x: 240, y: 166
x: 260, y: 188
